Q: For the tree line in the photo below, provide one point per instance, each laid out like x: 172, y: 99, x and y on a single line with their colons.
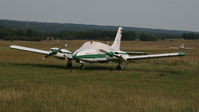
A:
x: 32, y: 35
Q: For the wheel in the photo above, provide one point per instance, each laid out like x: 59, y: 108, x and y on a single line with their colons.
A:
x: 118, y: 67
x: 69, y: 64
x: 82, y: 67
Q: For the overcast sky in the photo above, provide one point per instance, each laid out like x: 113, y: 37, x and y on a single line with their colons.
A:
x: 164, y: 14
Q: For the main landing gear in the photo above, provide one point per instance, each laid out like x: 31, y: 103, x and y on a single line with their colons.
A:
x: 119, y: 67
x: 82, y: 66
x: 69, y: 64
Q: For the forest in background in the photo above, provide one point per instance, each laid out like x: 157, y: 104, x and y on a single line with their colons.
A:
x: 37, y: 31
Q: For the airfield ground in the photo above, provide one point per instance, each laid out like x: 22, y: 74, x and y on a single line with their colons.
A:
x: 30, y: 84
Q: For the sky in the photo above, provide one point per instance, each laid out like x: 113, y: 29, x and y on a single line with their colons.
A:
x: 157, y: 14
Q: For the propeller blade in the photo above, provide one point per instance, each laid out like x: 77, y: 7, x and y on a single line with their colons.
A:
x: 111, y: 54
x: 59, y: 50
x: 47, y: 55
x: 103, y: 51
x: 118, y: 56
x: 55, y: 51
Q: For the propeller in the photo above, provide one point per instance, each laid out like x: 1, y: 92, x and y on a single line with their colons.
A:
x: 111, y: 54
x: 47, y: 55
x: 54, y: 51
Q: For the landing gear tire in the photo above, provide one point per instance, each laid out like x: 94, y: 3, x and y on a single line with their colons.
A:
x: 82, y: 67
x: 119, y: 67
x: 69, y: 64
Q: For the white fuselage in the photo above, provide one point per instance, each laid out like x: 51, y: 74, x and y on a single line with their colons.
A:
x: 90, y: 52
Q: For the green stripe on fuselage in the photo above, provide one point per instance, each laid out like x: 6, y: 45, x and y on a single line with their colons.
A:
x: 91, y: 56
x: 67, y: 52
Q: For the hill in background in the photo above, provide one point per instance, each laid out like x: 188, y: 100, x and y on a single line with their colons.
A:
x: 59, y: 27
x: 36, y: 31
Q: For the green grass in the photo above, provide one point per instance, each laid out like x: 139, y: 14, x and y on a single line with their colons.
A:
x: 30, y: 84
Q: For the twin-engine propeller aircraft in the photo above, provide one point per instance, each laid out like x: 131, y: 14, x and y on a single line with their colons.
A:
x: 97, y: 52
x: 182, y: 46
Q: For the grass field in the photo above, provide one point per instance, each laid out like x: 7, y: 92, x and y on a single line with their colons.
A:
x: 30, y: 84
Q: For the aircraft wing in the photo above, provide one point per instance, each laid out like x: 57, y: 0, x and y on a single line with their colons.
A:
x: 189, y: 48
x: 155, y: 56
x: 29, y: 49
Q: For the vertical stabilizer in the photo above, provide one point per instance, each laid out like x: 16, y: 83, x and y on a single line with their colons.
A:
x: 117, y: 41
x: 182, y: 46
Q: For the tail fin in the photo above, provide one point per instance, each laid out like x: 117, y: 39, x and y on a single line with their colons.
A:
x: 116, y: 43
x: 182, y: 45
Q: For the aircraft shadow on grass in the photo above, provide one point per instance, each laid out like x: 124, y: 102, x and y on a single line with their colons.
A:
x: 95, y: 67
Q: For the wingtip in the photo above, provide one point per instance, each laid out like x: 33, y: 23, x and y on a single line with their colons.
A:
x: 11, y: 46
x: 181, y: 54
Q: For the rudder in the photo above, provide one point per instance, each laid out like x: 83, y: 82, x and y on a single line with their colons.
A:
x: 117, y: 41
